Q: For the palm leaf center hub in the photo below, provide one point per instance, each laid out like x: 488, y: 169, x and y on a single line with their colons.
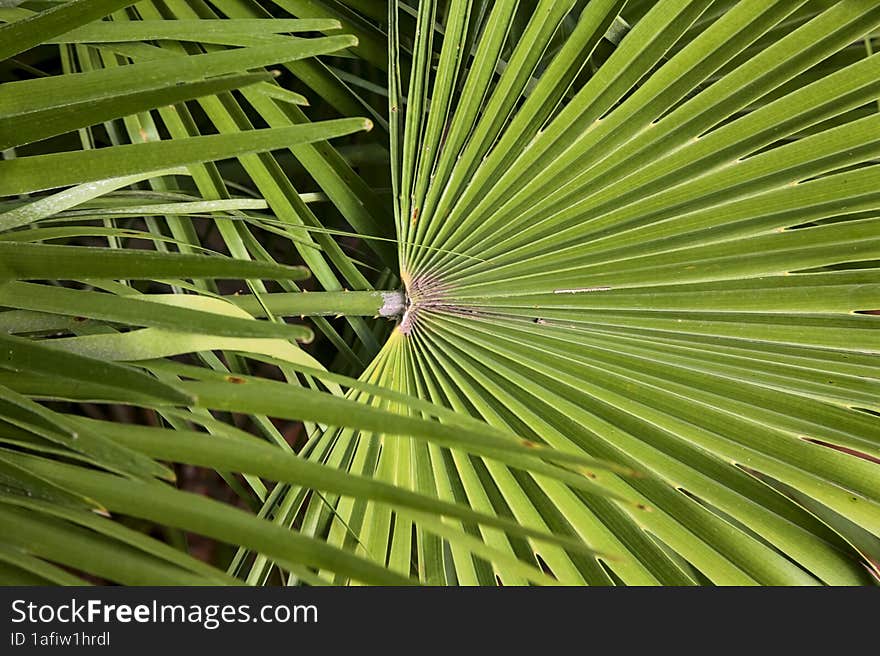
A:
x: 421, y: 293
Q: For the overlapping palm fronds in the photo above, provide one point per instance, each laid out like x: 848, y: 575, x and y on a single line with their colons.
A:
x: 636, y: 340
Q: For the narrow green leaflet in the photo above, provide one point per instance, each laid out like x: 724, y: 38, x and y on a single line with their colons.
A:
x: 24, y: 34
x: 39, y: 172
x: 26, y: 355
x: 137, y: 312
x: 41, y: 261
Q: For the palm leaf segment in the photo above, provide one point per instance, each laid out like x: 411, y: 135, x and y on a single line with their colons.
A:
x: 658, y: 254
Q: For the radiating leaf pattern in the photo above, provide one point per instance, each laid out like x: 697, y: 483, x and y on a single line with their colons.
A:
x: 662, y: 259
x: 636, y: 341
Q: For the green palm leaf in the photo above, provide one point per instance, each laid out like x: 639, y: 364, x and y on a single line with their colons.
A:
x: 636, y: 340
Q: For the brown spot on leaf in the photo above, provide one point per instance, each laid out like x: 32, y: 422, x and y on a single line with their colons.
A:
x: 238, y: 380
x: 842, y: 449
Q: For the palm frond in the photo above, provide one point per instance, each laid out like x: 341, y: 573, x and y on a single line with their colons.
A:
x: 636, y: 338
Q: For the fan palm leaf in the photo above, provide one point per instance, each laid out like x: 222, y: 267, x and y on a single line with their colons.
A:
x: 636, y: 338
x: 649, y: 266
